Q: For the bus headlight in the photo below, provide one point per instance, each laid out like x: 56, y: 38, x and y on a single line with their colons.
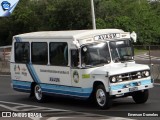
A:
x: 139, y: 74
x: 146, y: 73
x: 113, y: 79
x: 119, y: 78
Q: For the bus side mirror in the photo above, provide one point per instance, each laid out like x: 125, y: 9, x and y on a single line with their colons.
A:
x: 134, y: 36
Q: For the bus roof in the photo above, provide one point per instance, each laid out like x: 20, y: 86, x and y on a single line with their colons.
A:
x: 8, y: 46
x: 76, y: 34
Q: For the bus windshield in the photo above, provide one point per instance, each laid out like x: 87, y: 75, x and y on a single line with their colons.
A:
x: 95, y: 55
x: 121, y: 51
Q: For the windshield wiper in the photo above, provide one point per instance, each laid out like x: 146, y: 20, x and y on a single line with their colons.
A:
x: 101, y: 64
x: 95, y: 65
x: 126, y: 58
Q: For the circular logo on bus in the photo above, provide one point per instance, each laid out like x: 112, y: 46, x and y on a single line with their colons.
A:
x: 75, y: 76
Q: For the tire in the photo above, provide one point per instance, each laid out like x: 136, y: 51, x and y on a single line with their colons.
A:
x: 102, y: 98
x: 38, y: 94
x: 140, y: 96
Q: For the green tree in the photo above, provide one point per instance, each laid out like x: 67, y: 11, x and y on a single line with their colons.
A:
x: 72, y: 14
x: 130, y: 15
x: 140, y: 16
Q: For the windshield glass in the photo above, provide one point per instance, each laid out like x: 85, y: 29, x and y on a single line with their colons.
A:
x: 95, y: 54
x: 121, y: 50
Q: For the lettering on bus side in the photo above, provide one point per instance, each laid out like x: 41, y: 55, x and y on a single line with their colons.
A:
x: 51, y: 79
x: 54, y: 71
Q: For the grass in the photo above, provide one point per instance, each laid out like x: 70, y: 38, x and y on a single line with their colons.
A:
x: 140, y: 51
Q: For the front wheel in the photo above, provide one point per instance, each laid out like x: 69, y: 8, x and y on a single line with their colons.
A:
x: 102, y: 98
x: 38, y: 93
x: 140, y: 96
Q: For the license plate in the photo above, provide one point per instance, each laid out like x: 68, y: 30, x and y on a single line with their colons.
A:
x: 133, y: 89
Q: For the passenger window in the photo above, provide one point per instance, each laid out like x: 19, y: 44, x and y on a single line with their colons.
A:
x: 59, y: 53
x: 39, y: 53
x: 22, y: 53
x: 74, y: 58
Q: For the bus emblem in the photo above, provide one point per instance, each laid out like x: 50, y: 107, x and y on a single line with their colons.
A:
x: 75, y: 76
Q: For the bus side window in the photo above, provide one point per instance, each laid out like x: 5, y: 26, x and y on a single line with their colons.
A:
x: 59, y: 53
x: 39, y: 53
x: 74, y: 58
x: 66, y: 55
x: 22, y: 53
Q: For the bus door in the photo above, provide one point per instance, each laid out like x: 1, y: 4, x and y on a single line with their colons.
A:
x: 75, y: 70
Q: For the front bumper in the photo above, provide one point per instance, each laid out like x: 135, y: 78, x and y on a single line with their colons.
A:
x: 131, y: 86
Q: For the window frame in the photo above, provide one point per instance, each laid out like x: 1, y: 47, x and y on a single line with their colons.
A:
x: 95, y: 43
x: 38, y: 63
x: 71, y: 59
x: 15, y: 52
x: 51, y: 64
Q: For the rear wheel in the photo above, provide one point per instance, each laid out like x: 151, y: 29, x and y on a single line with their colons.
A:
x: 38, y: 93
x: 140, y: 96
x: 102, y: 98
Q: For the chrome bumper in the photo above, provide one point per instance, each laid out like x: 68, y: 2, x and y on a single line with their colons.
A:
x: 132, y: 86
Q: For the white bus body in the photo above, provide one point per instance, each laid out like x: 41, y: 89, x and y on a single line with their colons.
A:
x: 84, y: 64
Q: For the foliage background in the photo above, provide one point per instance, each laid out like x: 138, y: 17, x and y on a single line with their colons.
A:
x: 141, y: 16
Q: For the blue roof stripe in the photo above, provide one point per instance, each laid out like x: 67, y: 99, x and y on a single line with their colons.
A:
x: 18, y: 39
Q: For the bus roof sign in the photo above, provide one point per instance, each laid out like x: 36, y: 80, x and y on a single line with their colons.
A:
x: 107, y: 36
x: 111, y: 36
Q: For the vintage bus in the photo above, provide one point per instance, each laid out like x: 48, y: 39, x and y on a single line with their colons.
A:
x: 84, y: 64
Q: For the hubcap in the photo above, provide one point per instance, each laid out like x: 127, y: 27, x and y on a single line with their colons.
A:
x: 101, y: 97
x: 38, y: 92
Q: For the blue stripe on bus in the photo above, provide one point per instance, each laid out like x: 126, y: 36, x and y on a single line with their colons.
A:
x: 21, y: 85
x: 54, y: 89
x: 18, y: 39
x: 122, y: 86
x: 33, y: 73
x: 65, y: 90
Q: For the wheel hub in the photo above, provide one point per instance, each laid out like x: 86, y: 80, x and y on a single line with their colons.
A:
x: 101, y: 97
x: 38, y: 92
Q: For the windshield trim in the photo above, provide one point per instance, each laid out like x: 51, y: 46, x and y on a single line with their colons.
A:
x: 98, y: 65
x: 124, y: 59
